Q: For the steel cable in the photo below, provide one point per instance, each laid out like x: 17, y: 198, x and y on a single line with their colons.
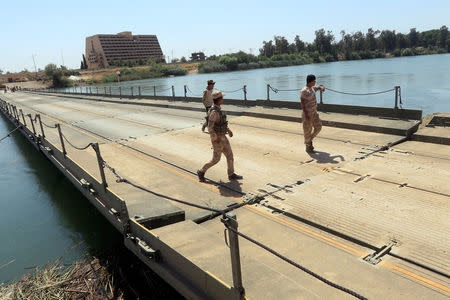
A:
x: 324, y: 280
x: 9, y: 133
x: 122, y: 179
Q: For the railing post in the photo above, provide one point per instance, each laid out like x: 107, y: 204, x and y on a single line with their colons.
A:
x: 14, y: 110
x: 90, y: 90
x: 110, y: 92
x: 173, y: 93
x: 230, y: 221
x: 62, y: 140
x: 96, y: 88
x: 154, y: 90
x: 132, y: 94
x: 245, y: 92
x: 23, y: 117
x: 396, y: 96
x: 100, y: 165
x: 32, y: 124
x: 40, y: 124
x: 185, y: 92
x: 321, y: 95
x: 139, y: 89
x: 120, y: 92
x: 268, y: 92
x: 105, y: 89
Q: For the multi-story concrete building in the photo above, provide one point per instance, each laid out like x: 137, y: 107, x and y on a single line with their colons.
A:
x: 102, y: 49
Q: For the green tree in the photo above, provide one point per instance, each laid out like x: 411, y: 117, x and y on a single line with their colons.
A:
x: 281, y: 45
x: 443, y: 37
x: 413, y: 37
x: 401, y: 41
x: 183, y: 59
x: 324, y: 41
x: 388, y: 39
x: 359, y: 41
x: 371, y: 39
x: 268, y: 49
x: 299, y: 44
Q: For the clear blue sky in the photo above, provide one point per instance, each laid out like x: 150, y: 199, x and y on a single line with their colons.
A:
x: 49, y: 28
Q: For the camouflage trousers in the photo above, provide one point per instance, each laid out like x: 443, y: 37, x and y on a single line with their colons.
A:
x: 308, y: 125
x: 219, y: 147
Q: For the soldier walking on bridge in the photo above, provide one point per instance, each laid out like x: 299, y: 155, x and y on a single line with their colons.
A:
x: 310, y: 117
x: 218, y: 128
x: 207, y: 100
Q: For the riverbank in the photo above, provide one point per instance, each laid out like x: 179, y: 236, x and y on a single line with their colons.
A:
x: 242, y: 61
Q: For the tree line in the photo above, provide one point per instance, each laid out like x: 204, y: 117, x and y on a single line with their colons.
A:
x: 325, y: 48
x: 360, y: 45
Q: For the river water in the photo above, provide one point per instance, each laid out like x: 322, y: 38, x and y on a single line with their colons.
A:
x: 424, y: 82
x: 42, y: 214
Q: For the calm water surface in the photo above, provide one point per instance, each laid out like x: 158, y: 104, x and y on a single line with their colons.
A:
x: 425, y: 82
x: 42, y: 214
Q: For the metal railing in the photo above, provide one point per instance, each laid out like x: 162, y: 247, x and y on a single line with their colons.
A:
x: 140, y: 91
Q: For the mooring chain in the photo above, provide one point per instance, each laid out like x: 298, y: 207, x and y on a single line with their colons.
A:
x: 76, y: 147
x: 275, y: 90
x: 229, y: 92
x: 361, y: 94
x: 304, y: 269
x: 54, y: 125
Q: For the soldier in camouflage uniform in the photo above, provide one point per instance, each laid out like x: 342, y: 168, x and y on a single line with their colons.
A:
x: 310, y: 117
x: 218, y: 128
x: 207, y: 100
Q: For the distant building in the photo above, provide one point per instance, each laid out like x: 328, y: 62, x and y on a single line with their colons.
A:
x: 198, y: 56
x: 102, y: 49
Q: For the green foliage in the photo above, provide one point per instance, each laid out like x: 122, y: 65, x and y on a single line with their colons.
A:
x: 407, y: 52
x: 155, y: 71
x: 57, y: 75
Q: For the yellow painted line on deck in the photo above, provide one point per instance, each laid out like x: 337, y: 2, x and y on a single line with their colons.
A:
x: 416, y: 277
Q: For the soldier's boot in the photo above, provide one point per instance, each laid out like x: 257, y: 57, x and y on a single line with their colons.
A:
x: 201, y: 176
x: 309, y: 148
x: 235, y: 176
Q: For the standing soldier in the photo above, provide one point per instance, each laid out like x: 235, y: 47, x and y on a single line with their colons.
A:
x: 310, y: 117
x: 218, y: 128
x: 207, y: 100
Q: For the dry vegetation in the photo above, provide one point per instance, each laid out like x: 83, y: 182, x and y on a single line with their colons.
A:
x: 81, y: 280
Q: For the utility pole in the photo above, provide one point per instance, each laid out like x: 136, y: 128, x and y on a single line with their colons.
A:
x: 34, y: 62
x: 62, y: 58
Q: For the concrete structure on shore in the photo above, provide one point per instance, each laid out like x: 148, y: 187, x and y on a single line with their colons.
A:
x: 103, y: 49
x: 368, y: 211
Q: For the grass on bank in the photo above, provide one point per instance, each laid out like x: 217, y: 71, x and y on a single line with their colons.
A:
x: 81, y: 280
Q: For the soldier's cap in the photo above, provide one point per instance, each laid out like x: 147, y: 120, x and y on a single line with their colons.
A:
x: 210, y: 82
x: 217, y: 94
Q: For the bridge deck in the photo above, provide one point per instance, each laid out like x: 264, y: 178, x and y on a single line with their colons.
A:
x: 326, y: 210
